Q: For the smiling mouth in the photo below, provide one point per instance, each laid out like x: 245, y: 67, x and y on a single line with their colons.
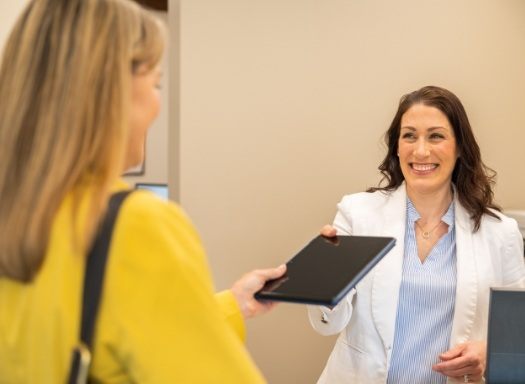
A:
x: 423, y: 167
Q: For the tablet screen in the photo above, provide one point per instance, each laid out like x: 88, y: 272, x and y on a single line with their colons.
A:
x: 326, y: 269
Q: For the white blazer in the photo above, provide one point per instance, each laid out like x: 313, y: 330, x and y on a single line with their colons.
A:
x: 492, y: 256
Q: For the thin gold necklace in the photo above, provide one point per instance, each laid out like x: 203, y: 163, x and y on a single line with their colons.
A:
x: 426, y: 234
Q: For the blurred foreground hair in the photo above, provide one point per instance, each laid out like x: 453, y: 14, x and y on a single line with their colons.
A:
x: 65, y: 81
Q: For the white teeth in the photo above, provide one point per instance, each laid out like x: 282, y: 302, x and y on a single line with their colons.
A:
x: 423, y: 167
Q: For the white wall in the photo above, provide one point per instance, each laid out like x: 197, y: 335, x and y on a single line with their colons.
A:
x: 283, y: 104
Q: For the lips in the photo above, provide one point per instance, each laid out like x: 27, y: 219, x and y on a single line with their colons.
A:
x: 423, y: 167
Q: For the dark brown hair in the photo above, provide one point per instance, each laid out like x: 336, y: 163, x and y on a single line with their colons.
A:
x: 473, y: 179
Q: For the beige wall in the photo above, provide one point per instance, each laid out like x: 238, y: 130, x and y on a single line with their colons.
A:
x: 282, y: 107
x: 9, y: 11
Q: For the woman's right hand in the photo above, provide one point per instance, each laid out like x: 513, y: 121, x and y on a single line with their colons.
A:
x: 328, y: 231
x: 245, y: 288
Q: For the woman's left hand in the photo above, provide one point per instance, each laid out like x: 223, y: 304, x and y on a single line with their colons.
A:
x: 464, y: 362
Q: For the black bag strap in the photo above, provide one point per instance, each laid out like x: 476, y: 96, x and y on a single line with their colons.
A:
x: 93, y: 281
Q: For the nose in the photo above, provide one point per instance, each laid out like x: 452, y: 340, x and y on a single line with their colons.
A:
x: 421, y: 148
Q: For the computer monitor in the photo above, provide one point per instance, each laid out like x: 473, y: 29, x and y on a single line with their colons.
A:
x: 157, y: 188
x: 506, y: 337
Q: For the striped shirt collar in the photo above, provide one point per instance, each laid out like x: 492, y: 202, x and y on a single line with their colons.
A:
x: 413, y: 215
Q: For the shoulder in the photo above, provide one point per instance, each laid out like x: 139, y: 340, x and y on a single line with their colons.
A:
x: 144, y: 205
x: 155, y: 249
x: 364, y: 201
x: 152, y: 233
x: 502, y: 231
x: 145, y: 212
x: 499, y: 224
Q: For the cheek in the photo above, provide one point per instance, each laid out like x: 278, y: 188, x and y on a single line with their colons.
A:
x: 449, y: 154
x: 155, y: 105
x: 403, y: 150
x: 150, y: 108
x: 143, y: 111
x: 403, y: 158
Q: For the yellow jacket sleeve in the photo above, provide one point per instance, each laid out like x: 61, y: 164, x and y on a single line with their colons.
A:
x: 231, y: 312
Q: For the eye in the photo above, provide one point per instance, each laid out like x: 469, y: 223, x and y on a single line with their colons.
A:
x: 436, y: 136
x: 408, y: 135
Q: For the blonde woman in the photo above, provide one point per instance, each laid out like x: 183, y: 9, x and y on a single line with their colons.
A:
x: 78, y: 91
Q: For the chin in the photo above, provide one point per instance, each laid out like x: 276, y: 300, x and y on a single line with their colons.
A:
x: 427, y: 186
x: 129, y: 165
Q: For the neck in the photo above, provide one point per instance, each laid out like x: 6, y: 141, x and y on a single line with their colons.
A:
x: 431, y: 206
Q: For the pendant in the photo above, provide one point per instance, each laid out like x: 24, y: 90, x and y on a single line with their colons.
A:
x: 426, y: 235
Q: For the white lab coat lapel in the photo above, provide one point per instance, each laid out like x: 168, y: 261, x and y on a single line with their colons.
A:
x: 466, y: 286
x: 387, y: 277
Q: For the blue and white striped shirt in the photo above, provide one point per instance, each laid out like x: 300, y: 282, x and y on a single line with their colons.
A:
x: 426, y: 306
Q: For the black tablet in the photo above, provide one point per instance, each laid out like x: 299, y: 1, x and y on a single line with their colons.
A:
x: 326, y: 269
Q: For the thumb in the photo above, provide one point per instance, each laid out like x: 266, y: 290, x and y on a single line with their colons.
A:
x: 328, y: 231
x: 452, y: 353
x: 273, y: 273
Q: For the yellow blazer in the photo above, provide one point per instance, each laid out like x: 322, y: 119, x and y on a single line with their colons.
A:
x: 159, y: 320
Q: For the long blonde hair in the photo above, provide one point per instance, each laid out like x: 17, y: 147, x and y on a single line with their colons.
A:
x: 65, y: 83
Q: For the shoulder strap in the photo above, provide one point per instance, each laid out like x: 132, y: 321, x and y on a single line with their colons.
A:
x: 93, y: 280
x: 95, y: 268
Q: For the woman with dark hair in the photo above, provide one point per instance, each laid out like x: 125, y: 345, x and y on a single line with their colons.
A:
x: 421, y: 315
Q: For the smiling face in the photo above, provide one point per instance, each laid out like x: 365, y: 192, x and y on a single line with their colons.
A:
x: 427, y: 149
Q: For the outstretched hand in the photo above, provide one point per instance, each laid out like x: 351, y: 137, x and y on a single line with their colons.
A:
x: 244, y: 289
x: 464, y: 359
x: 253, y: 281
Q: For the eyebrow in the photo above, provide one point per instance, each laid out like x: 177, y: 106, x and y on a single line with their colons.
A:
x: 429, y: 129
